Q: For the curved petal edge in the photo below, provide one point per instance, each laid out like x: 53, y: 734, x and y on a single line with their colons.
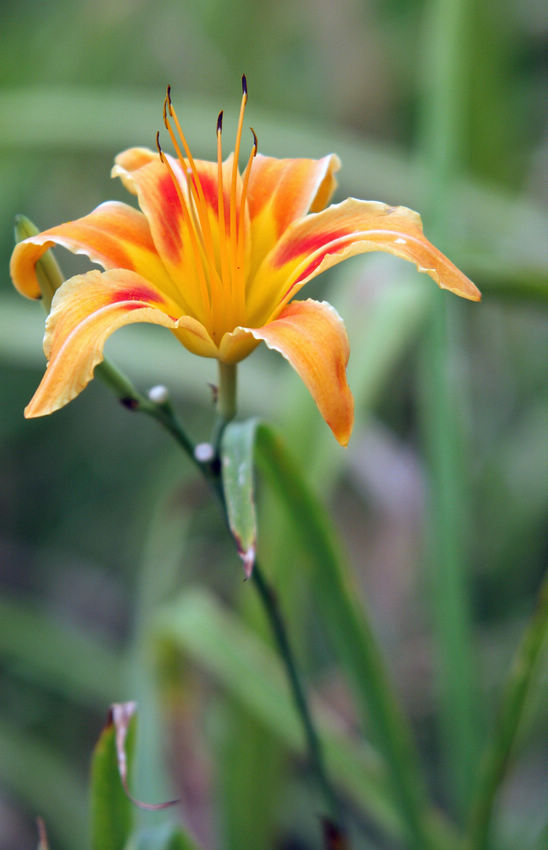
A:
x: 86, y: 310
x: 312, y: 338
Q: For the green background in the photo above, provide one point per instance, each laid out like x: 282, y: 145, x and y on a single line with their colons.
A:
x: 441, y: 497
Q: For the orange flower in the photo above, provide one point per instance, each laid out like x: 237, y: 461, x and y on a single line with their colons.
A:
x: 218, y: 256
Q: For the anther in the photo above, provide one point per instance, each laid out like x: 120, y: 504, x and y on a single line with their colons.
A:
x: 158, y: 145
x: 244, y: 84
x: 168, y: 97
x: 255, y: 142
x: 220, y: 122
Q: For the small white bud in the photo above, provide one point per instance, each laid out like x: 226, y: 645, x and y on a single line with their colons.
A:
x: 204, y: 452
x: 158, y: 394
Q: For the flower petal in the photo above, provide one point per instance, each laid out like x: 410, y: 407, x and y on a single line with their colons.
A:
x: 319, y: 241
x: 185, y: 224
x: 312, y: 337
x: 114, y: 235
x: 159, y: 193
x: 85, y: 310
x: 283, y: 190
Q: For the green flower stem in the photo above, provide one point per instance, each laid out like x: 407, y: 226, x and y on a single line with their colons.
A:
x: 120, y: 385
x: 498, y: 755
x: 165, y: 416
x: 226, y: 402
x: 279, y: 630
x: 315, y: 753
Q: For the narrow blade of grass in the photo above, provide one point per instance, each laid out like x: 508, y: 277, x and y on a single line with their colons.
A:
x: 443, y: 113
x: 500, y: 748
x: 351, y: 635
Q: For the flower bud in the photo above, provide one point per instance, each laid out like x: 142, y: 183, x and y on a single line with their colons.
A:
x: 158, y: 394
x: 48, y: 273
x: 204, y: 452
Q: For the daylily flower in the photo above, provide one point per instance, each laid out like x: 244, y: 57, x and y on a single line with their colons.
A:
x: 218, y: 256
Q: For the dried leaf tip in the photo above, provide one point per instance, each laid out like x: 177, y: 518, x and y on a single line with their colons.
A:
x: 248, y: 560
x: 42, y: 835
x: 220, y: 122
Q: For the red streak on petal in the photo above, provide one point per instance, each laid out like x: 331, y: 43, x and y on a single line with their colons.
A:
x: 308, y: 245
x: 329, y: 249
x: 210, y: 190
x: 135, y: 306
x: 209, y: 187
x: 168, y: 192
x: 135, y: 293
x: 171, y: 214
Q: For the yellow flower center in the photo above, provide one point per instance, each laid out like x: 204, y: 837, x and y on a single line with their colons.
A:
x: 217, y: 238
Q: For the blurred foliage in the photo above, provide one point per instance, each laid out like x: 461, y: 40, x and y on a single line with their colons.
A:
x: 101, y: 522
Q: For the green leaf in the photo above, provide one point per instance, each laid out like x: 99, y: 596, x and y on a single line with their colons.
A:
x: 248, y: 809
x: 237, y: 448
x: 350, y: 630
x: 111, y: 810
x: 496, y: 758
x: 348, y: 625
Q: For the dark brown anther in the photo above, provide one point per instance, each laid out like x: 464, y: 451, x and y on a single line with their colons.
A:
x: 244, y: 84
x: 158, y: 145
x: 220, y: 122
x: 168, y: 98
x: 255, y: 142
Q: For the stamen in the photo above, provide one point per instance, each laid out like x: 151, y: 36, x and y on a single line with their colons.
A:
x: 195, y: 191
x: 206, y: 300
x: 243, y: 200
x: 158, y: 145
x: 225, y: 266
x: 236, y: 224
x: 197, y: 185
